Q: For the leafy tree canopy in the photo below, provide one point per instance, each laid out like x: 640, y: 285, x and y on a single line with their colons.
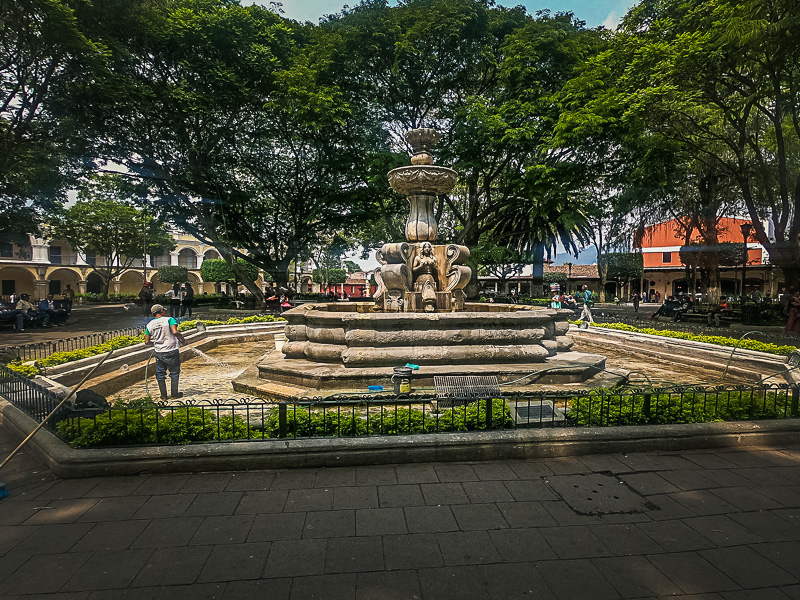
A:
x: 218, y: 270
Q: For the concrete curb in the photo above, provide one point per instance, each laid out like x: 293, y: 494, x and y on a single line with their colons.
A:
x: 68, y: 462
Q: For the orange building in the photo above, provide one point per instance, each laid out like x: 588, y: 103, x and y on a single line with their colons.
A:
x: 664, y: 273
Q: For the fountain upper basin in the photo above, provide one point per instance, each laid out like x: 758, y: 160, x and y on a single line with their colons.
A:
x: 422, y: 180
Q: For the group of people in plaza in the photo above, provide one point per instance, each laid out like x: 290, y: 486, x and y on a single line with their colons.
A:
x: 181, y: 299
x: 45, y: 313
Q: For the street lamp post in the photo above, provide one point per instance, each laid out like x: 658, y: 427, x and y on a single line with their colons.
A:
x: 746, y: 228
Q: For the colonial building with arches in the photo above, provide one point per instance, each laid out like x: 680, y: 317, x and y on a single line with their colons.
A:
x: 46, y: 266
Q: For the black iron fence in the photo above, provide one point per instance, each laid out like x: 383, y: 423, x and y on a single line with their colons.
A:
x: 144, y: 422
x: 32, y: 399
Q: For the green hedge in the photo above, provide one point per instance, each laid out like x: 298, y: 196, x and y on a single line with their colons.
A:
x: 709, y: 339
x: 145, y: 423
x: 603, y: 409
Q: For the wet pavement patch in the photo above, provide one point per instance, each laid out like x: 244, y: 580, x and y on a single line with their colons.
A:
x: 597, y: 494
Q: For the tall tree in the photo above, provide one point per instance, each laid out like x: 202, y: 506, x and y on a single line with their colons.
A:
x: 118, y: 234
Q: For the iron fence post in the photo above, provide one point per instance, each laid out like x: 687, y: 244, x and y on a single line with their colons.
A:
x: 646, y: 407
x: 795, y: 399
x: 282, y: 420
x: 488, y: 413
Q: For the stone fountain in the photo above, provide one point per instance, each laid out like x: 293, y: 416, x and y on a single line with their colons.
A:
x: 419, y: 315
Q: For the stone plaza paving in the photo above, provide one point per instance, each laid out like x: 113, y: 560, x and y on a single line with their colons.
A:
x: 721, y: 524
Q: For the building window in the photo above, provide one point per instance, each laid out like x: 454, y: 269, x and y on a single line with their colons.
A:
x: 54, y: 287
x: 91, y: 260
x: 6, y: 250
x: 55, y: 255
x: 187, y: 258
x: 666, y: 257
x: 9, y: 287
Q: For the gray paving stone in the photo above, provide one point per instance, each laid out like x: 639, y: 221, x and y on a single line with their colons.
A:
x: 128, y: 594
x: 412, y: 551
x: 325, y: 587
x: 675, y: 536
x: 235, y: 562
x: 400, y: 495
x: 250, y: 481
x: 600, y: 463
x: 391, y: 585
x: 566, y: 465
x: 529, y: 469
x: 574, y: 542
x: 299, y: 479
x: 355, y: 497
x: 704, y: 502
x: 354, y: 554
x: 624, y: 539
x: 269, y: 589
x: 165, y: 505
x: 527, y: 490
x: 767, y: 526
x: 636, y: 577
x: 761, y: 594
x: 692, y: 573
x: 564, y: 515
x: 444, y: 493
x: 667, y: 508
x: 379, y: 475
x: 763, y: 477
x: 710, y: 460
x: 11, y: 535
x: 745, y: 498
x: 214, y: 503
x: 791, y: 472
x: 113, y: 509
x: 783, y: 555
x: 746, y: 459
x: 173, y: 566
x: 380, y: 521
x: 68, y: 488
x: 526, y: 514
x: 306, y: 500
x: 110, y: 535
x: 28, y: 579
x: 161, y: 533
x: 514, y: 581
x: 688, y: 479
x: 648, y: 484
x: 335, y: 477
x: 480, y: 517
x: 195, y: 591
x: 53, y: 539
x: 10, y: 563
x: 792, y: 591
x: 454, y: 472
x: 206, y: 483
x: 229, y: 529
x: 276, y: 526
x: 722, y: 530
x: 430, y: 519
x: 488, y: 491
x: 516, y: 545
x: 330, y: 524
x: 493, y: 471
x: 560, y: 577
x: 156, y: 485
x: 62, y: 511
x: 467, y: 548
x: 726, y: 477
x: 295, y: 558
x: 262, y: 502
x: 16, y: 513
x: 785, y: 496
x: 747, y: 568
x: 110, y: 569
x: 417, y: 473
x: 116, y: 486
x: 452, y: 583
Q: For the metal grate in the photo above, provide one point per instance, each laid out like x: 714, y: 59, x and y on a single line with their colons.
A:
x: 537, y: 412
x: 453, y: 390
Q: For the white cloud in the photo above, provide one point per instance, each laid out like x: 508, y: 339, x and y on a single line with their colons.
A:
x: 612, y: 20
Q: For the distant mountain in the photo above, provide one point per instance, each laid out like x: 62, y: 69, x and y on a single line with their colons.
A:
x: 587, y: 256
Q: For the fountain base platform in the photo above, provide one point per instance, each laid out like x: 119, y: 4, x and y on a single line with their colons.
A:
x: 280, y: 378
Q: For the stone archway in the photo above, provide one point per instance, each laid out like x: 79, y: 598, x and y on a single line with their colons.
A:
x: 16, y: 280
x: 58, y: 279
x: 187, y: 258
x: 94, y: 284
x: 130, y: 282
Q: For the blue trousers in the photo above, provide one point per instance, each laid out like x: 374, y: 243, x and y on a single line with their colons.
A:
x: 168, y: 361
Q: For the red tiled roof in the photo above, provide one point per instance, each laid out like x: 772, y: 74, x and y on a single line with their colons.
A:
x: 578, y: 271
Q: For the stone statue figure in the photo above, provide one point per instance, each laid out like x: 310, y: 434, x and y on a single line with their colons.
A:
x: 425, y: 275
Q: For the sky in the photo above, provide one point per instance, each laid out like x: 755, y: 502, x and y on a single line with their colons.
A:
x: 594, y: 12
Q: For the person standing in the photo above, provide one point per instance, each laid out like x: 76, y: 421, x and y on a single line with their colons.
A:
x: 162, y: 332
x: 588, y: 302
x: 175, y: 301
x: 636, y: 300
x: 188, y: 300
x: 68, y: 295
x: 146, y: 296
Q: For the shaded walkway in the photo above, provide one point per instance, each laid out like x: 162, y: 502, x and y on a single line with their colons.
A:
x: 721, y: 524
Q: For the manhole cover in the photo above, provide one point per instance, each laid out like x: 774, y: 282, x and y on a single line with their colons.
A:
x: 597, y: 493
x: 539, y: 412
